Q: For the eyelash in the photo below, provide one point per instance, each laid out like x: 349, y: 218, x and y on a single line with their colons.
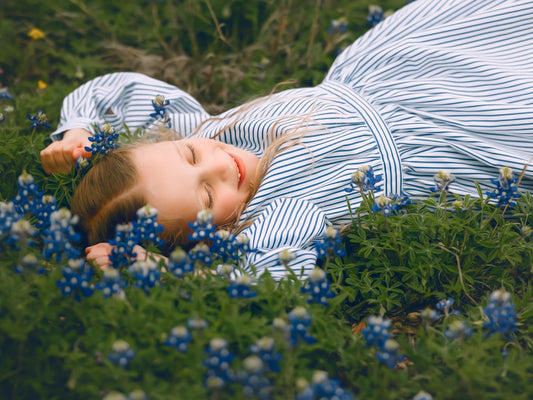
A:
x: 207, y: 189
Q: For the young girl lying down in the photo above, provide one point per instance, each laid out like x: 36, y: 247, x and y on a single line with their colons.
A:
x: 439, y: 85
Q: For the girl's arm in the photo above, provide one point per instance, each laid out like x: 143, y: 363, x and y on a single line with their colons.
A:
x: 119, y: 99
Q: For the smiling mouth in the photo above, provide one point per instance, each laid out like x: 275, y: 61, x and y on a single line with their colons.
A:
x: 241, y: 171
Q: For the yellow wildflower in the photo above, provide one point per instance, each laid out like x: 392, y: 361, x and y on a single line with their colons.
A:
x: 41, y: 85
x: 36, y: 33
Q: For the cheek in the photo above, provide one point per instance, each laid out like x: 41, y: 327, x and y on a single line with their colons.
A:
x: 226, y: 207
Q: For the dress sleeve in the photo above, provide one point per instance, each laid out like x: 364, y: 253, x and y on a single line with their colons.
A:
x: 286, y: 224
x: 125, y: 98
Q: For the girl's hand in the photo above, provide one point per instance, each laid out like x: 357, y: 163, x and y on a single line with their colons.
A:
x: 99, y: 254
x: 60, y: 156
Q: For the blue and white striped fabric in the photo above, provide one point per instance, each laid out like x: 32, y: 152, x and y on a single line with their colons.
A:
x: 439, y: 85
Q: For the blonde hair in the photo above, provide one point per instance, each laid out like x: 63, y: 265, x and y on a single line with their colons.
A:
x: 109, y: 193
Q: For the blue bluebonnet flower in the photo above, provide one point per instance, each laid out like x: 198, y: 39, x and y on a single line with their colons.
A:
x: 285, y: 256
x: 58, y: 237
x: 76, y: 279
x: 500, y: 313
x: 225, y: 270
x: 29, y: 261
x: 112, y: 284
x: 389, y: 353
x: 121, y: 353
x: 103, y: 140
x: 28, y: 194
x: 241, y: 287
x: 429, y: 316
x: 377, y: 331
x: 146, y: 226
x: 8, y: 215
x: 264, y: 349
x: 202, y: 228
x: 457, y: 330
x: 124, y: 241
x: 422, y: 395
x: 443, y: 180
x: 385, y: 205
x: 322, y: 387
x: 300, y: 320
x: 43, y: 209
x: 4, y: 94
x: 225, y: 245
x: 338, y: 25
x: 446, y: 307
x: 202, y: 253
x: 21, y: 234
x: 179, y: 338
x: 146, y: 274
x: 330, y: 243
x: 159, y: 104
x: 243, y: 243
x: 137, y: 394
x: 253, y: 379
x: 506, y: 188
x: 196, y: 323
x: 218, y: 363
x: 179, y: 263
x: 375, y: 14
x: 317, y: 286
x: 365, y: 180
x: 39, y: 120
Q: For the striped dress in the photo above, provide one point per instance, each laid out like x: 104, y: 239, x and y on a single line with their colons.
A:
x: 439, y: 85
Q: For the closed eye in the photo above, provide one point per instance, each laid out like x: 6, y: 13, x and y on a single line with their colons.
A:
x: 210, y: 198
x: 193, y: 153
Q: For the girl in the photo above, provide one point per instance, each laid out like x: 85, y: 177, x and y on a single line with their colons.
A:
x: 439, y: 85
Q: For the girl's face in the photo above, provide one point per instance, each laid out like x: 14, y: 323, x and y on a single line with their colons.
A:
x: 182, y: 177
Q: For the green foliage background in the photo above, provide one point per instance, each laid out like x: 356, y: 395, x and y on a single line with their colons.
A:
x: 223, y: 53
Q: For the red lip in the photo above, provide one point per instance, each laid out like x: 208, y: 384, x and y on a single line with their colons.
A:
x: 241, y: 167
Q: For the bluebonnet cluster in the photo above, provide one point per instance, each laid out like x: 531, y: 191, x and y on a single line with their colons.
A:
x: 4, y: 94
x: 384, y: 205
x: 506, y: 188
x: 76, y: 279
x: 179, y: 263
x: 375, y: 15
x: 103, y: 140
x: 500, y: 313
x: 123, y: 244
x: 264, y: 349
x: 241, y: 287
x: 146, y: 226
x: 317, y: 286
x: 225, y: 245
x: 160, y: 111
x: 29, y: 261
x: 446, y: 307
x: 112, y: 283
x: 457, y: 330
x: 429, y: 316
x: 218, y: 364
x: 21, y: 232
x: 442, y: 180
x: 201, y: 252
x: 365, y: 180
x: 422, y: 395
x: 322, y: 388
x: 253, y: 379
x: 8, y: 215
x: 39, y: 120
x: 58, y: 237
x: 377, y: 334
x: 285, y: 257
x: 196, y: 323
x: 203, y: 229
x: 330, y: 243
x: 121, y: 353
x: 28, y: 195
x: 146, y: 274
x: 338, y: 26
x: 43, y: 209
x: 300, y: 320
x: 179, y: 338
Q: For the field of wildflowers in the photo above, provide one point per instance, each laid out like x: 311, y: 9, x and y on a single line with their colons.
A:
x: 425, y: 299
